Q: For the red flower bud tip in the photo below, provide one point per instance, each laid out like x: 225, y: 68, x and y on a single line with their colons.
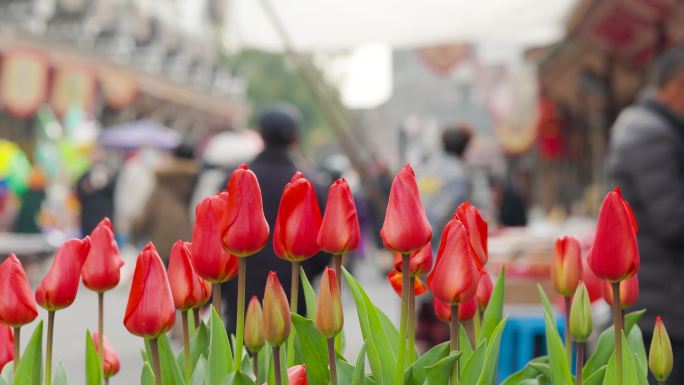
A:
x: 17, y: 305
x: 111, y: 359
x: 254, y: 339
x: 101, y: 270
x: 566, y: 266
x: 420, y: 261
x: 629, y: 292
x: 296, y: 375
x: 477, y: 230
x: 329, y: 316
x: 484, y: 290
x: 275, y: 322
x: 395, y: 279
x: 189, y: 290
x: 150, y: 310
x: 244, y: 230
x: 298, y: 221
x: 406, y: 228
x: 6, y: 345
x: 615, y: 253
x: 466, y: 310
x: 340, y: 231
x: 209, y: 258
x: 59, y: 287
x: 455, y: 276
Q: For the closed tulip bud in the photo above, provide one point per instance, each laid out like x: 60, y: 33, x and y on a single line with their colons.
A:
x: 406, y: 227
x: 466, y: 310
x: 189, y: 290
x: 150, y: 310
x: 244, y: 230
x: 110, y: 358
x: 298, y: 221
x: 660, y: 353
x: 484, y: 290
x: 254, y: 340
x: 102, y: 268
x: 420, y: 261
x: 275, y: 322
x: 340, y: 231
x: 296, y: 375
x: 395, y: 279
x: 329, y: 316
x: 17, y: 305
x: 477, y: 230
x: 615, y: 253
x: 455, y: 276
x: 209, y: 258
x: 6, y: 345
x: 629, y: 292
x: 580, y: 315
x: 566, y: 266
x: 59, y: 287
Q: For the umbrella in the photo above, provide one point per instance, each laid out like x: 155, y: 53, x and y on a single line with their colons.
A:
x: 141, y: 133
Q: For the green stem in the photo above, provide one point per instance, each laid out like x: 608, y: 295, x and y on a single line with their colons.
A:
x: 240, y: 330
x: 156, y: 363
x: 617, y: 322
x: 294, y: 302
x: 411, y: 326
x: 454, y: 332
x: 477, y: 321
x: 196, y: 315
x: 338, y: 270
x: 186, y: 345
x: 331, y: 361
x: 17, y: 346
x: 276, y: 365
x: 100, y: 327
x: 579, y: 365
x: 403, y: 321
x: 255, y: 365
x: 216, y: 298
x: 568, y: 339
x: 48, y: 353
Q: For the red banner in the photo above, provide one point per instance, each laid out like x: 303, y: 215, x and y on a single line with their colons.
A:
x: 23, y: 82
x: 73, y: 85
x: 118, y: 88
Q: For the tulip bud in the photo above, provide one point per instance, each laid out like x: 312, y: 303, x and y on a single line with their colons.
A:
x: 629, y: 292
x: 477, y: 230
x: 59, y: 287
x: 254, y: 340
x: 340, y: 231
x: 244, y: 230
x: 566, y: 266
x: 102, y: 268
x: 189, y: 290
x: 420, y: 261
x: 406, y: 228
x: 660, y: 353
x: 275, y: 322
x: 329, y: 316
x: 395, y: 279
x: 17, y: 305
x: 150, y: 310
x: 484, y: 290
x: 580, y: 315
x: 466, y: 310
x: 110, y: 358
x: 6, y: 345
x: 209, y: 258
x: 296, y: 375
x: 615, y: 253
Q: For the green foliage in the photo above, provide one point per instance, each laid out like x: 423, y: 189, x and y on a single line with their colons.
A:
x: 494, y: 311
x: 93, y: 372
x: 147, y: 376
x: 30, y: 369
x: 199, y: 372
x: 560, y: 367
x: 417, y: 373
x: 219, y: 358
x: 488, y: 374
x: 309, y: 295
x: 59, y: 376
x: 440, y: 372
x: 314, y: 349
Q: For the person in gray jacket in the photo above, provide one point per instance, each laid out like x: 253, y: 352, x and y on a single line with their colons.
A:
x: 646, y: 159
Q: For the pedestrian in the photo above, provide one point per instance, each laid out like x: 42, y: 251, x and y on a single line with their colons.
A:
x: 95, y: 190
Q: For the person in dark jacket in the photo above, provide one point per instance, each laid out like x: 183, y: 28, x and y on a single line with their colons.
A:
x: 646, y: 159
x: 274, y: 167
x: 95, y: 191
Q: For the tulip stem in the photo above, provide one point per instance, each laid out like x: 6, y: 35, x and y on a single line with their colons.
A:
x: 477, y: 321
x: 579, y: 365
x: 454, y: 332
x: 294, y: 302
x: 331, y: 361
x: 568, y: 339
x: 255, y: 365
x: 100, y: 327
x: 196, y: 316
x: 48, y: 353
x: 156, y: 363
x: 411, y: 323
x: 401, y: 355
x: 216, y: 298
x: 338, y: 270
x: 617, y: 325
x: 276, y: 365
x: 17, y: 346
x: 661, y: 382
x: 186, y: 344
x: 240, y: 330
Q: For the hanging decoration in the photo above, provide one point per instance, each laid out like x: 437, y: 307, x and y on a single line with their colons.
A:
x: 23, y: 82
x: 118, y: 88
x: 73, y: 85
x: 442, y: 59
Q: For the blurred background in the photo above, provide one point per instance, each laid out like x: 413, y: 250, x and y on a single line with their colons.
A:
x: 104, y: 101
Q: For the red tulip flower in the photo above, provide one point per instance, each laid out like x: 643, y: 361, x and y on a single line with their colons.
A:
x: 150, y: 310
x: 477, y: 230
x: 17, y: 305
x: 615, y: 253
x: 455, y: 276
x: 101, y: 270
x: 566, y: 266
x: 296, y: 375
x: 6, y: 345
x: 395, y: 279
x: 298, y: 221
x: 629, y: 292
x: 484, y: 290
x: 189, y: 290
x: 209, y: 258
x: 406, y: 228
x: 340, y: 231
x: 593, y: 283
x: 420, y: 261
x: 466, y: 310
x: 244, y: 230
x: 59, y: 287
x: 110, y: 358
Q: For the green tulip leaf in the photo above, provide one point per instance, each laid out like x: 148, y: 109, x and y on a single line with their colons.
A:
x: 309, y: 295
x: 219, y: 359
x: 59, y: 377
x: 314, y: 350
x: 8, y: 372
x: 198, y: 373
x: 529, y: 372
x: 629, y: 368
x: 29, y: 371
x: 237, y: 378
x: 360, y: 369
x: 440, y: 373
x: 597, y: 377
x: 464, y: 345
x: 472, y: 368
x: 635, y: 341
x: 171, y: 372
x: 3, y: 381
x: 560, y: 367
x: 147, y: 376
x: 489, y: 371
x: 389, y: 330
x: 494, y: 311
x: 417, y: 373
x: 93, y: 374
